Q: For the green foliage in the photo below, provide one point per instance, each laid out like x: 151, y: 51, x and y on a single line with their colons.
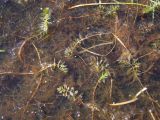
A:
x: 153, y: 5
x: 45, y: 17
x: 70, y: 50
x: 97, y: 65
x: 109, y: 10
x: 113, y: 10
x: 68, y: 92
x: 104, y: 75
x: 151, y: 8
x: 133, y: 68
x: 62, y: 67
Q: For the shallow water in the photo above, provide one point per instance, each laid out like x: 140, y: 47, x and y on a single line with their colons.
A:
x: 95, y: 56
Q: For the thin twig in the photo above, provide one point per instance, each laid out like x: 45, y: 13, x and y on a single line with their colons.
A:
x: 145, y: 55
x: 115, y: 3
x: 120, y: 41
x: 101, y: 44
x: 125, y: 102
x: 23, y: 44
x: 93, y: 35
x: 21, y: 49
x: 135, y: 98
x: 141, y: 91
x: 152, y: 116
x: 39, y: 58
x: 32, y: 96
x: 110, y: 94
x: 93, y: 98
x: 94, y: 53
x: 15, y: 73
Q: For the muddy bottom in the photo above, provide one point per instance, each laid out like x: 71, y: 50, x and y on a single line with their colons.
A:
x: 79, y: 60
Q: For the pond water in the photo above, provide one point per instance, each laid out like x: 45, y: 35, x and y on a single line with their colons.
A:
x: 99, y: 60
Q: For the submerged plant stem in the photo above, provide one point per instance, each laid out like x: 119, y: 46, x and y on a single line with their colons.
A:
x: 102, y: 44
x: 15, y: 73
x: 116, y: 3
x: 32, y: 96
x: 135, y: 98
x: 125, y: 102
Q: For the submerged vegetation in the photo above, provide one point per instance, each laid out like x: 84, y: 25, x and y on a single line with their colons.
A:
x: 68, y: 92
x: 45, y: 17
x: 79, y: 60
x: 154, y: 4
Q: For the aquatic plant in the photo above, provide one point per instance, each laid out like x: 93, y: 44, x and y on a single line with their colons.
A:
x: 108, y: 3
x: 113, y: 9
x: 135, y: 98
x: 109, y: 10
x: 59, y: 65
x: 68, y: 92
x: 133, y: 68
x: 70, y: 50
x: 62, y: 67
x: 151, y: 8
x: 45, y: 17
x: 104, y: 75
x: 105, y: 40
x: 97, y: 65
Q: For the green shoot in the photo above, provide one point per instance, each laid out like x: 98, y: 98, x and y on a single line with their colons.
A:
x: 62, y: 67
x: 45, y: 17
x: 68, y: 92
x: 151, y: 8
x: 97, y: 65
x: 70, y: 50
x: 103, y: 76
